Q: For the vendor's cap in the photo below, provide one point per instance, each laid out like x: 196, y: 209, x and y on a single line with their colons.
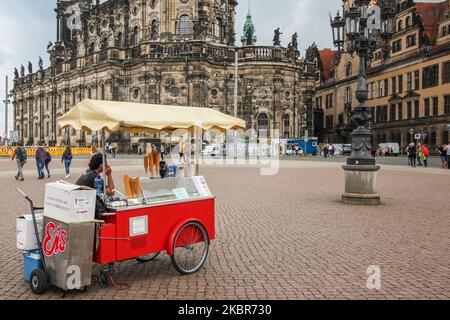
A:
x: 96, y: 161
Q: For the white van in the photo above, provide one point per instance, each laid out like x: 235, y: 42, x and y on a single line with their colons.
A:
x: 393, y: 147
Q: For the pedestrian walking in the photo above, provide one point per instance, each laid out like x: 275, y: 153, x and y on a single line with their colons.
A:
x: 325, y: 151
x: 67, y: 160
x: 411, y: 152
x: 181, y: 149
x: 425, y: 153
x: 48, y: 159
x: 448, y: 155
x: 162, y: 152
x: 40, y: 161
x: 114, y: 147
x: 443, y: 155
x: 20, y: 155
x: 419, y: 155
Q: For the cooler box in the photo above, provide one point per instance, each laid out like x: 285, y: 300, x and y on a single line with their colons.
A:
x: 68, y: 252
x: 69, y: 203
x: 26, y: 237
x: 31, y: 261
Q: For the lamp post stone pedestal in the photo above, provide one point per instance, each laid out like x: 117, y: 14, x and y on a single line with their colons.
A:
x: 362, y: 38
x: 361, y: 185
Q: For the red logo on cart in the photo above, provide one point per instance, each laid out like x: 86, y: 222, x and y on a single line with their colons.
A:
x: 55, y: 239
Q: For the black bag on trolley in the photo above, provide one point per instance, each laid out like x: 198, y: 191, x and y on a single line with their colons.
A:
x: 162, y: 169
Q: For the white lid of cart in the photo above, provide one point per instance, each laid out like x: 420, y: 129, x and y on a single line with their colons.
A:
x: 166, y: 190
x: 69, y: 203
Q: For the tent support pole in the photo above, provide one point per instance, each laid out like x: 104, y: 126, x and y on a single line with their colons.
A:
x: 198, y: 148
x: 104, y: 164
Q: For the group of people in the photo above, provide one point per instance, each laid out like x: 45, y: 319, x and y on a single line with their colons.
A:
x: 418, y: 155
x: 383, y: 152
x: 328, y: 151
x: 43, y: 159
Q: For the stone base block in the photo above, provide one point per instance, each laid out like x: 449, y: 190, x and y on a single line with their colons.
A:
x: 361, y: 185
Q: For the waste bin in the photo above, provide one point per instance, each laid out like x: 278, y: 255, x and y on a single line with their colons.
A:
x: 68, y: 252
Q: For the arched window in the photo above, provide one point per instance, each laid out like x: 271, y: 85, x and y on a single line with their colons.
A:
x: 91, y: 48
x: 119, y: 43
x: 348, y: 70
x: 154, y: 30
x: 217, y: 28
x: 185, y: 26
x: 263, y: 121
x: 408, y: 22
x: 105, y: 43
x: 287, y: 126
x: 400, y: 25
x: 136, y: 39
x: 102, y: 92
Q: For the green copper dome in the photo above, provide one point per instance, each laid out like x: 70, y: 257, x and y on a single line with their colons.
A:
x: 249, y: 27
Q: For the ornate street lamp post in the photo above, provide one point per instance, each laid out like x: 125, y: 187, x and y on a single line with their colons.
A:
x: 362, y: 25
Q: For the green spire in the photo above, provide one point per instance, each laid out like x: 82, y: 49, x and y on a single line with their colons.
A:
x: 249, y: 27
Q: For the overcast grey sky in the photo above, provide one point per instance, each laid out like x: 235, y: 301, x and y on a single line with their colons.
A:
x: 26, y: 26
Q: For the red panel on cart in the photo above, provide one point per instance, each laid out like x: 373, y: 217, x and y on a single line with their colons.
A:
x: 161, y: 223
x: 106, y: 250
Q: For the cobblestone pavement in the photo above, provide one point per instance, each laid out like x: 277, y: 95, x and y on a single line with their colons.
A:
x: 279, y: 237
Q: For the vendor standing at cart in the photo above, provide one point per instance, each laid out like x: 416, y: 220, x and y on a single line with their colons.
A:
x: 93, y: 178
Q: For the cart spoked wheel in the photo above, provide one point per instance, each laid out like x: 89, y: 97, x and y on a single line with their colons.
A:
x: 148, y: 257
x: 190, y: 248
x: 39, y: 281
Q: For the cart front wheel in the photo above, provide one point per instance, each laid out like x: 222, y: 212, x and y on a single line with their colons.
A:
x: 190, y: 248
x: 148, y: 257
x: 39, y: 281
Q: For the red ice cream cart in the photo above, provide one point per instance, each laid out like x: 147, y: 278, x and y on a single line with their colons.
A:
x: 175, y: 215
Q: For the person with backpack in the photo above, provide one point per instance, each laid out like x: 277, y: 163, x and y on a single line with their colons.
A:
x: 48, y: 159
x: 425, y: 154
x: 20, y: 154
x: 448, y: 155
x: 419, y: 155
x: 411, y: 152
x: 40, y: 156
x: 443, y: 156
x: 67, y: 160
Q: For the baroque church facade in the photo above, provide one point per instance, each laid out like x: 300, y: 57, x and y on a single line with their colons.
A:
x: 171, y: 52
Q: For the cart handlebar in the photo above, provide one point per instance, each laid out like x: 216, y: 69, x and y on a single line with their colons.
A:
x: 23, y: 194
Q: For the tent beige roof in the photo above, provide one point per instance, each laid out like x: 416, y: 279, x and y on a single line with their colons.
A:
x: 95, y: 115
